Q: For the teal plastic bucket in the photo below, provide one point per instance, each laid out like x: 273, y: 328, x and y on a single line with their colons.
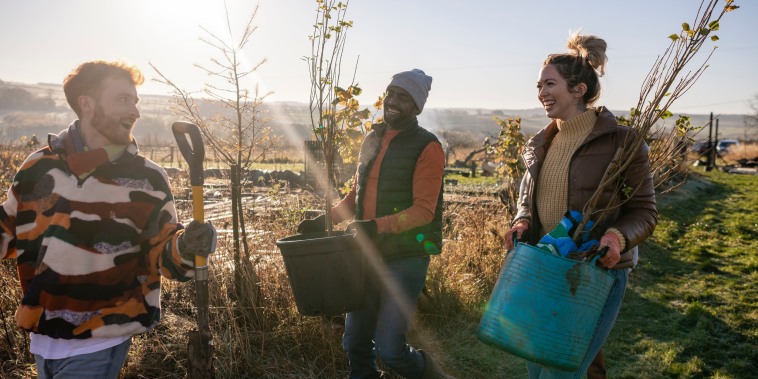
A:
x: 326, y: 272
x: 545, y: 308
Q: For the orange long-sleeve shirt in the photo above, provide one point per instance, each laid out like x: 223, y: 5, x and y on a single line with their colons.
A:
x: 427, y: 181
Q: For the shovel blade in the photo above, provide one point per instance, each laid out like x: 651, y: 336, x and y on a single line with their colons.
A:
x: 200, y: 347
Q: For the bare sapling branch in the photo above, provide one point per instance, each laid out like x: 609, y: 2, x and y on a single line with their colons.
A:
x: 660, y: 89
x: 231, y: 118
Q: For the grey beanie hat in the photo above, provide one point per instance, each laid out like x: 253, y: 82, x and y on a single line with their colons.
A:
x: 416, y: 83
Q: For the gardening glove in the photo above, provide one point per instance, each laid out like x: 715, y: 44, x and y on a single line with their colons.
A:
x: 560, y: 240
x: 312, y: 225
x: 520, y: 228
x: 197, y: 239
x: 613, y: 255
x: 366, y: 228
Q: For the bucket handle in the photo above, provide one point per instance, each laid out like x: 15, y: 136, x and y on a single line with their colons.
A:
x: 593, y: 261
x: 599, y: 255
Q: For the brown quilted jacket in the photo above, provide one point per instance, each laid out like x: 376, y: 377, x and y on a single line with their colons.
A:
x: 636, y: 218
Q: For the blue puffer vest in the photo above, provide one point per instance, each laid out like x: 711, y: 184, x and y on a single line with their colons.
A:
x: 395, y: 190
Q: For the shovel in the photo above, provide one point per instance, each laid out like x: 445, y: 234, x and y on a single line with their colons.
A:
x: 200, y: 346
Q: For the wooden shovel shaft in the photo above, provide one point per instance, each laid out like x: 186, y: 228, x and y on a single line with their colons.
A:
x: 201, y: 264
x: 199, y: 215
x: 200, y: 345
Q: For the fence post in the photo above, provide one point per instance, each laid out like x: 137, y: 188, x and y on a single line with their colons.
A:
x: 709, y: 151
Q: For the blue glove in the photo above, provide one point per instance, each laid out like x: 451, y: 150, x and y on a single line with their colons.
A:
x: 559, y: 241
x: 197, y: 239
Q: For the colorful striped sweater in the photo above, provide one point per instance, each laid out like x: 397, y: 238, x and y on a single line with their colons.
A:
x: 92, y: 238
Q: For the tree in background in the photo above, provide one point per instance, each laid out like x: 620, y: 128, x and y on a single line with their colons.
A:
x: 453, y: 141
x: 238, y: 132
x: 668, y: 150
x: 751, y: 120
x: 507, y: 154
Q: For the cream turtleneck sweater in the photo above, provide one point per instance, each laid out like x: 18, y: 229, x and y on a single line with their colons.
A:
x: 552, y: 184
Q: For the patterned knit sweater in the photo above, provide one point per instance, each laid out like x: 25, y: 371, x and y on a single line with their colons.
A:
x: 92, y: 236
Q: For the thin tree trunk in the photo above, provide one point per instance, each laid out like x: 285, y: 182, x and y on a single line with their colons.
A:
x: 235, y: 220
x: 246, y: 281
x: 237, y: 183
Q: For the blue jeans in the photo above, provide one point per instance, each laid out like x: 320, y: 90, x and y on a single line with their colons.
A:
x: 605, y: 324
x: 379, y: 327
x: 103, y: 364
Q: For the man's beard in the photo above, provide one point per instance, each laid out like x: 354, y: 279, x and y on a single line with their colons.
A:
x: 110, y: 128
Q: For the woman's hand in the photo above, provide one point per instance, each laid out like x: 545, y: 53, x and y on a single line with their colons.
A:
x: 613, y: 256
x: 519, y: 229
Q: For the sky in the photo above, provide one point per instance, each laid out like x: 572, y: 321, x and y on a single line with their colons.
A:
x: 481, y: 53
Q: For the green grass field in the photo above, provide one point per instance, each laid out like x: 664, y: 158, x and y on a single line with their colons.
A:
x: 691, y: 310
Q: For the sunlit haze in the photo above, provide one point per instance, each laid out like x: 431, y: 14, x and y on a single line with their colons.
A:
x: 481, y: 54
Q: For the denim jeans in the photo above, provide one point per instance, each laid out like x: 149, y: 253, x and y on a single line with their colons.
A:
x: 379, y: 327
x: 105, y: 364
x: 605, y: 324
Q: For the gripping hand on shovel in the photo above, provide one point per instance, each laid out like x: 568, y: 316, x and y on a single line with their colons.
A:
x: 198, y: 239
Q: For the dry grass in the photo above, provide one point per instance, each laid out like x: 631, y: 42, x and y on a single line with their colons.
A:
x: 15, y: 361
x: 746, y: 151
x: 267, y: 337
x: 458, y: 287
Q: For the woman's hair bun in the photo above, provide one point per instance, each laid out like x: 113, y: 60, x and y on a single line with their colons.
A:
x: 591, y: 48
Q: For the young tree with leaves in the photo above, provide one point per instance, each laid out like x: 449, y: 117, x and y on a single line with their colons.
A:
x: 506, y: 151
x: 337, y: 121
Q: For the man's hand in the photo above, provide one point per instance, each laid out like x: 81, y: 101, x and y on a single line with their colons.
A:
x: 312, y: 225
x: 197, y: 239
x: 519, y: 229
x: 613, y: 256
x: 365, y: 228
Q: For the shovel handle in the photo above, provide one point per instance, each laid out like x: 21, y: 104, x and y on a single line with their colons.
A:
x: 194, y: 154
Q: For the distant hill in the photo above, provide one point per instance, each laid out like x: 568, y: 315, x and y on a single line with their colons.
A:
x: 481, y: 121
x: 41, y: 108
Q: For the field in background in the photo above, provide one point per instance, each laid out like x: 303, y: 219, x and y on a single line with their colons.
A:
x: 291, y: 120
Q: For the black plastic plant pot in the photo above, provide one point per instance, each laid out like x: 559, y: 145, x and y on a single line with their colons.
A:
x: 326, y: 272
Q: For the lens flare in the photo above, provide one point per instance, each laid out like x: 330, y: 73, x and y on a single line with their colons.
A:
x: 431, y: 247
